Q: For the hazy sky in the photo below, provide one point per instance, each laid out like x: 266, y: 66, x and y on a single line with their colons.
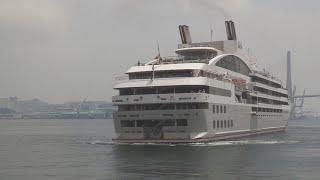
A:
x: 62, y: 50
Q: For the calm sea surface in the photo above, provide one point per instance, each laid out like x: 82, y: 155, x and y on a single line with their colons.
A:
x: 82, y: 149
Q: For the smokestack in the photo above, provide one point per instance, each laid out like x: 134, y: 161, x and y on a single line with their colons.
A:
x: 182, y: 34
x: 289, y: 81
x: 187, y: 34
x: 233, y: 30
x: 228, y: 30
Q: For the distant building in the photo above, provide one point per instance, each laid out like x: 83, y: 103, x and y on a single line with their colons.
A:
x: 8, y: 103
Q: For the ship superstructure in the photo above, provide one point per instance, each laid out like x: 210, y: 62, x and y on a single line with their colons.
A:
x: 209, y: 91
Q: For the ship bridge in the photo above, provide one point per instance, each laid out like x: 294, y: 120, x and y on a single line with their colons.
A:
x: 192, y: 55
x: 197, y: 53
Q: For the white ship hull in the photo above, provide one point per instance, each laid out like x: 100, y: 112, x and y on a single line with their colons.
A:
x: 200, y: 127
x: 227, y: 136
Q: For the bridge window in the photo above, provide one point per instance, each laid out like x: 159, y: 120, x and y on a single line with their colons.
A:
x: 197, y: 54
x: 219, y: 91
x: 169, y: 123
x: 127, y: 123
x: 161, y: 74
x: 175, y: 90
x: 182, y: 122
x: 235, y: 64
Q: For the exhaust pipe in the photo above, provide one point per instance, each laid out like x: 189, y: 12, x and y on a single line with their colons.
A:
x: 183, y: 38
x: 233, y: 30
x: 229, y: 35
x: 185, y: 34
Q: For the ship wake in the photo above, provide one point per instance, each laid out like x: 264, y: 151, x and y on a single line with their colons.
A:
x: 204, y: 144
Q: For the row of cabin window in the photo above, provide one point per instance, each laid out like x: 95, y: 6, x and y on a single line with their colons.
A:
x: 269, y: 92
x: 266, y: 82
x: 270, y: 115
x: 267, y: 101
x: 167, y: 106
x: 266, y: 110
x: 151, y: 123
x: 175, y: 90
x: 222, y: 124
x: 216, y: 109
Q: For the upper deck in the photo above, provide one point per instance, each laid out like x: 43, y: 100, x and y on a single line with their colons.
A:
x: 221, y: 60
x: 192, y: 55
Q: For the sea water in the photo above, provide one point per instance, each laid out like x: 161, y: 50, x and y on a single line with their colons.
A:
x: 82, y: 149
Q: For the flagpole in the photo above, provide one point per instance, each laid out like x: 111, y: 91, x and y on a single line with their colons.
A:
x: 158, y: 48
x: 152, y: 71
x: 159, y: 57
x: 158, y: 61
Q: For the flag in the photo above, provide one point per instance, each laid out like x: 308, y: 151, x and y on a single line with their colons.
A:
x: 159, y: 59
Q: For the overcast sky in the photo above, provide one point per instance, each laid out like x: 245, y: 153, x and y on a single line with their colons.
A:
x: 63, y: 50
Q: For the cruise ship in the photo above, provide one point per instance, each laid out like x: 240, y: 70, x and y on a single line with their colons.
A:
x: 209, y: 91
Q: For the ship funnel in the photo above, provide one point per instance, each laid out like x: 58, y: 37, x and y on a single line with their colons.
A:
x: 183, y: 38
x: 231, y: 31
x: 228, y: 30
x: 185, y: 34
